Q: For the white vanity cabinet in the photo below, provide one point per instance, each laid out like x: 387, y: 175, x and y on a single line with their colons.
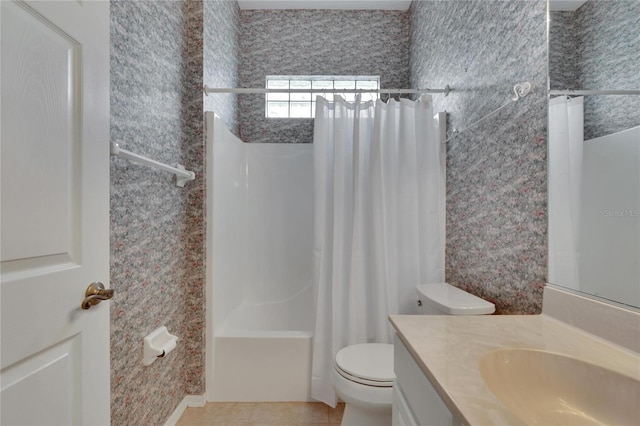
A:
x: 415, y: 401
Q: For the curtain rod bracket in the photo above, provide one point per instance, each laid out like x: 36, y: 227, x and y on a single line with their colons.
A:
x: 521, y: 90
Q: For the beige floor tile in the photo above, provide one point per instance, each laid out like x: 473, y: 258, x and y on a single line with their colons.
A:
x: 191, y: 416
x: 218, y: 414
x: 271, y: 414
x: 261, y: 414
x: 281, y: 413
x: 310, y: 412
x: 335, y: 414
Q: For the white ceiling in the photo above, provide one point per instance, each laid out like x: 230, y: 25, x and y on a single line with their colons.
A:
x: 325, y: 4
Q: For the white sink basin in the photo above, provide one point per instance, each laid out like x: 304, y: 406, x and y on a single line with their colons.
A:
x: 544, y: 388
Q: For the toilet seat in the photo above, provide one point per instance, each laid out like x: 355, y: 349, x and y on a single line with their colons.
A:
x: 369, y: 364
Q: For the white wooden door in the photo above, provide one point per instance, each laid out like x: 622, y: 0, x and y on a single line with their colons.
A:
x: 54, y: 212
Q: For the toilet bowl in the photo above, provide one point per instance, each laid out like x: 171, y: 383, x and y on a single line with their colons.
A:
x: 363, y: 379
x: 363, y: 374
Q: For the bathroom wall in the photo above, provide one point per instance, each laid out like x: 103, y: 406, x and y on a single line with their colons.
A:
x: 602, y: 38
x: 221, y: 52
x: 563, y: 61
x: 299, y: 42
x: 496, y: 171
x: 157, y: 229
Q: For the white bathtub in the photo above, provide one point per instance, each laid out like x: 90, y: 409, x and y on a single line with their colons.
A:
x: 260, y: 308
x: 262, y: 354
x: 285, y: 318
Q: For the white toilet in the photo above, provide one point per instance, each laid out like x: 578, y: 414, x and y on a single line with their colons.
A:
x: 363, y: 374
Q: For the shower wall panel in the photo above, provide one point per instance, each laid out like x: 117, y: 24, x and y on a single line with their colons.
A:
x: 261, y: 232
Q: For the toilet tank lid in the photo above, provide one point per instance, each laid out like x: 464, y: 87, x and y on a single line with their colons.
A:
x: 453, y: 300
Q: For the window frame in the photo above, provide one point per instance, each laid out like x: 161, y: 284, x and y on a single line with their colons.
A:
x: 300, y: 81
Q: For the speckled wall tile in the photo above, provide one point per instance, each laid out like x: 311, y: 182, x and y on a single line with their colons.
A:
x: 193, y: 235
x: 157, y: 249
x: 321, y: 42
x: 496, y: 171
x: 609, y: 58
x: 563, y: 61
x: 221, y: 53
x: 606, y: 46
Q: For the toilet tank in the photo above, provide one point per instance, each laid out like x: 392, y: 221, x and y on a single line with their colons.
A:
x: 445, y: 299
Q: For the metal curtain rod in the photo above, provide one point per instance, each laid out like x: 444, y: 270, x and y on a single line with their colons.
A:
x: 592, y: 92
x: 208, y: 90
x: 182, y: 176
x: 521, y: 90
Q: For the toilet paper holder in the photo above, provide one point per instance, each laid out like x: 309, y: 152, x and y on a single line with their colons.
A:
x: 158, y: 344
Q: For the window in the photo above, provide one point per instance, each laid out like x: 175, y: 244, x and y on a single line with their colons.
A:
x: 303, y: 105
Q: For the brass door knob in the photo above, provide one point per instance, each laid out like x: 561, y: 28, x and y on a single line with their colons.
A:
x: 95, y: 294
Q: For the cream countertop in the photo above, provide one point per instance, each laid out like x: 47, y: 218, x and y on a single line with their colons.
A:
x: 448, y: 349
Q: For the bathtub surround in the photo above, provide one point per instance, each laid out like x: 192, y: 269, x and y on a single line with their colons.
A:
x: 496, y: 173
x: 259, y: 268
x: 597, y: 48
x: 260, y: 221
x: 157, y: 229
x: 315, y: 42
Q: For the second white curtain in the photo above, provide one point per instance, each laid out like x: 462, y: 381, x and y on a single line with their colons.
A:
x: 566, y: 142
x: 377, y: 222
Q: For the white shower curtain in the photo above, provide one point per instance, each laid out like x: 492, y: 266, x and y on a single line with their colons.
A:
x: 566, y: 141
x: 377, y: 224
